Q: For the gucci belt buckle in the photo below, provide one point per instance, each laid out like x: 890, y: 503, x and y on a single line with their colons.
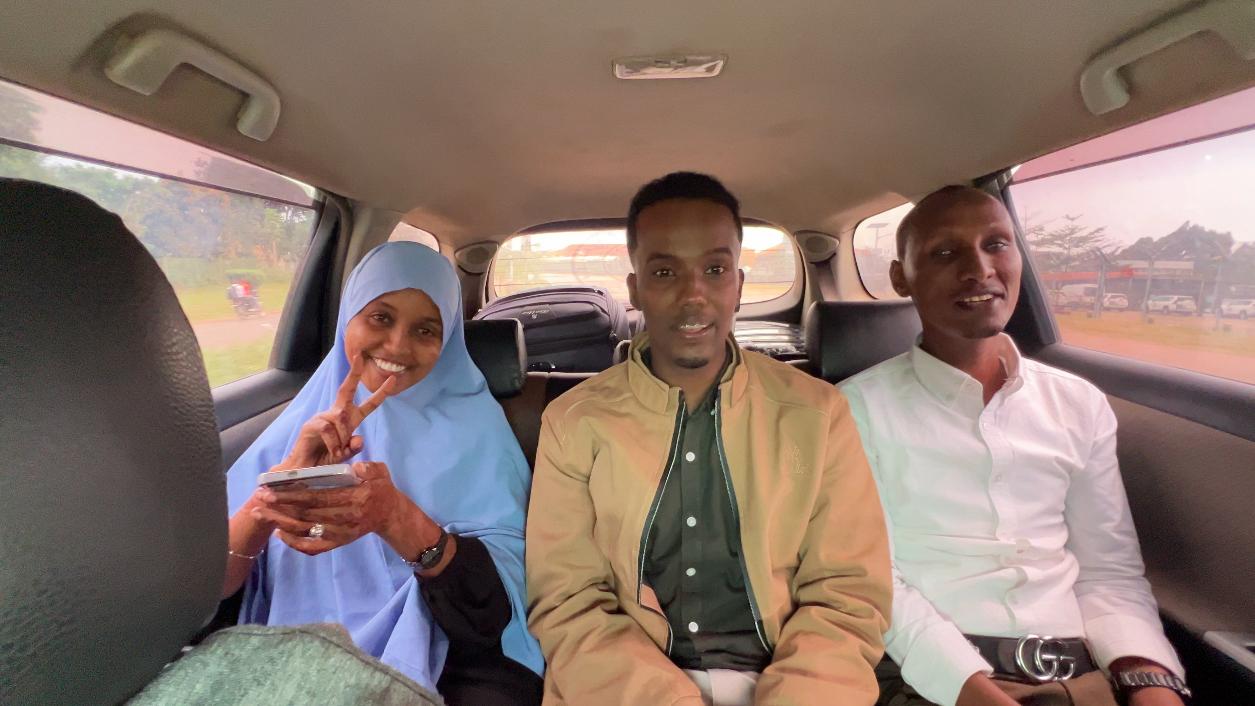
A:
x: 1042, y: 659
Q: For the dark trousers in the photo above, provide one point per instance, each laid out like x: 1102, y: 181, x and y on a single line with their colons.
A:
x: 1093, y: 689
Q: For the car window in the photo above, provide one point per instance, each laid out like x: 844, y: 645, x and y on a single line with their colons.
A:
x: 1161, y: 213
x: 228, y: 235
x: 600, y: 258
x: 875, y: 246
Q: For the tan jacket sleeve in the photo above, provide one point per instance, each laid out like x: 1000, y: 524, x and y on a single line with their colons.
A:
x: 596, y: 654
x: 828, y: 649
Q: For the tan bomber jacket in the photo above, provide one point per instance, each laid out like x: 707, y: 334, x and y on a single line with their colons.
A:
x: 815, y: 551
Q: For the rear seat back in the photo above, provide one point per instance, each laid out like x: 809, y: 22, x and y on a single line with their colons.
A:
x: 523, y: 411
x: 846, y: 338
x: 842, y: 339
x: 497, y: 347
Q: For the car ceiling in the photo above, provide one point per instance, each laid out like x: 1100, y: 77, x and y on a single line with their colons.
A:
x: 478, y: 119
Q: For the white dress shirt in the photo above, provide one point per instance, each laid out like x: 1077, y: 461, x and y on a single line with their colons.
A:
x: 1006, y: 519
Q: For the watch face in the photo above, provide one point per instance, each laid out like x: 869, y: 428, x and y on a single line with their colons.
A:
x: 429, y: 558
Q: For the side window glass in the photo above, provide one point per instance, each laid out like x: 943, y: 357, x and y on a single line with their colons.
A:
x: 875, y: 246
x: 228, y: 235
x: 1144, y: 239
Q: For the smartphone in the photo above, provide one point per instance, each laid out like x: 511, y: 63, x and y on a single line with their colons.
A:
x: 339, y: 475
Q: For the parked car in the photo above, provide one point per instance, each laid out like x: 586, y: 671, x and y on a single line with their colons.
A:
x: 1079, y: 296
x: 1172, y: 304
x: 1241, y: 308
x: 1115, y: 301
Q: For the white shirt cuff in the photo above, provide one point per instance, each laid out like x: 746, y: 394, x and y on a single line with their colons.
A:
x: 1114, y: 636
x: 939, y: 662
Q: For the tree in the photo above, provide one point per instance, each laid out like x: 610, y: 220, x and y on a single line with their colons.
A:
x: 1190, y: 241
x: 1063, y: 246
x: 19, y: 118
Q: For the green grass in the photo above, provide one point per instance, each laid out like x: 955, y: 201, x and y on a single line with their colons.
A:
x: 210, y: 302
x: 236, y: 362
x: 1191, y: 332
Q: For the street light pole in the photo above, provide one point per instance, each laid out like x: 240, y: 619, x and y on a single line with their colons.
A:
x: 1150, y: 275
x: 1101, y: 295
x: 877, y: 227
x: 1215, y: 297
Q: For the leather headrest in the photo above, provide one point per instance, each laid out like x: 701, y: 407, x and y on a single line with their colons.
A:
x: 112, y: 500
x: 846, y: 338
x: 497, y: 347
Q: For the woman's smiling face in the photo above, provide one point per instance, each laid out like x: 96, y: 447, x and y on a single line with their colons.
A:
x: 398, y: 334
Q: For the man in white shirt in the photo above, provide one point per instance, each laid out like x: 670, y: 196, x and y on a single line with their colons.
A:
x: 1017, y: 572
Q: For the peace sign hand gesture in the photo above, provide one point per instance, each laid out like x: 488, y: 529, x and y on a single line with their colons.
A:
x: 328, y: 437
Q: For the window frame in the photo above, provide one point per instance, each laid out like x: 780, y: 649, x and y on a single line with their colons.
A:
x: 283, y: 355
x: 1219, y: 403
x: 854, y: 252
x: 769, y: 308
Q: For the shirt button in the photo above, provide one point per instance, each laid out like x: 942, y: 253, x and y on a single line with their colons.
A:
x: 690, y: 456
x: 691, y: 521
x: 692, y: 627
x: 690, y: 571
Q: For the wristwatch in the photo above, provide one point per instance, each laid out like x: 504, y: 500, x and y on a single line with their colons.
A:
x: 430, y: 556
x: 1128, y: 681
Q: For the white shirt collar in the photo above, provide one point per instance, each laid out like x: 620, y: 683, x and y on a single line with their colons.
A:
x: 949, y: 383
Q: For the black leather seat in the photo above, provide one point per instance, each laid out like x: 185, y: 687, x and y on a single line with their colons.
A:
x: 846, y: 338
x: 498, y: 348
x: 112, y: 499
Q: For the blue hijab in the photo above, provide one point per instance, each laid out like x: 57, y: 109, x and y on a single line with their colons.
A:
x: 448, y: 447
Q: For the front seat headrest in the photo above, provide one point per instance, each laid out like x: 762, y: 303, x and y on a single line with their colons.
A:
x: 113, y: 527
x: 498, y: 349
x: 846, y: 338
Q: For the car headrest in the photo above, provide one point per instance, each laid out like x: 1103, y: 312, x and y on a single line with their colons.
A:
x: 846, y: 338
x: 113, y: 532
x: 497, y: 347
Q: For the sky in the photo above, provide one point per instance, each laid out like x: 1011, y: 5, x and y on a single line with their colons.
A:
x: 69, y: 127
x: 1209, y: 181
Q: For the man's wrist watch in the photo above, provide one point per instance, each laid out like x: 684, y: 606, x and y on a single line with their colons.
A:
x: 1128, y: 681
x: 431, y: 556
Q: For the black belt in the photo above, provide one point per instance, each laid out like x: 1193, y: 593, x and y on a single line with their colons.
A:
x: 1035, y: 659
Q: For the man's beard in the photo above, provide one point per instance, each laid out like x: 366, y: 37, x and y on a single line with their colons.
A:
x: 692, y: 363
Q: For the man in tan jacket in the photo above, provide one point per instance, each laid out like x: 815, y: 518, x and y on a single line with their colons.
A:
x: 704, y: 528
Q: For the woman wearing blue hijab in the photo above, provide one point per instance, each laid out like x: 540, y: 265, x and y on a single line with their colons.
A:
x: 422, y: 561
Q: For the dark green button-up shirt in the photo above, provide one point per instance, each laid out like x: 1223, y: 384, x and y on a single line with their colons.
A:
x: 693, y: 562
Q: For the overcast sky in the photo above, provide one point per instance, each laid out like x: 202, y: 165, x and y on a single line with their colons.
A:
x: 1211, y: 183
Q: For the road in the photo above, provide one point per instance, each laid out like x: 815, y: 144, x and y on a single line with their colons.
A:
x: 1218, y: 363
x: 224, y: 333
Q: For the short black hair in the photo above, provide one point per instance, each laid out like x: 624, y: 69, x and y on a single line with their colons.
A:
x: 907, y: 226
x: 681, y: 185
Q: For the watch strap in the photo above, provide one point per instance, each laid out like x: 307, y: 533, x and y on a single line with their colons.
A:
x: 1130, y: 680
x: 430, y: 556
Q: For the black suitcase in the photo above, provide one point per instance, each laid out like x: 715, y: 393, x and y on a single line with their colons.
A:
x: 567, y: 329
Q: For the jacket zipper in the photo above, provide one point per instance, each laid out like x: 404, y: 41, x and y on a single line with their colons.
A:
x: 676, y: 433
x: 736, y: 516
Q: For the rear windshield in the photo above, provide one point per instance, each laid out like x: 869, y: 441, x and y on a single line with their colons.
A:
x: 600, y: 258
